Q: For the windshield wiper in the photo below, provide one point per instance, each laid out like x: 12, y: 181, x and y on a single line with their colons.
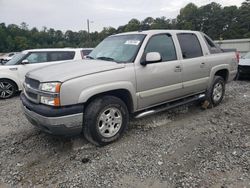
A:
x: 105, y: 58
x: 89, y: 57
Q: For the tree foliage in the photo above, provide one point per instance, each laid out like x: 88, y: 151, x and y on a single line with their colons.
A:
x: 218, y: 22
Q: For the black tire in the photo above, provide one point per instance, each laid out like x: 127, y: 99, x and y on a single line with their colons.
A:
x: 8, y: 89
x: 212, y: 96
x: 93, y: 120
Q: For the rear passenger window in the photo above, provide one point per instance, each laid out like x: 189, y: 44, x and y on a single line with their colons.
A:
x: 164, y: 45
x: 60, y: 56
x: 213, y: 49
x: 86, y: 52
x: 190, y: 45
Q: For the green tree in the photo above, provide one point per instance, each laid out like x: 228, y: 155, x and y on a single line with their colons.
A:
x: 161, y: 23
x: 133, y: 25
x: 21, y: 43
x: 244, y: 19
x: 147, y: 22
x: 24, y: 26
x: 188, y: 17
x: 211, y: 20
x: 230, y: 17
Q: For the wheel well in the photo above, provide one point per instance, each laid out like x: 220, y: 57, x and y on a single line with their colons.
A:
x: 11, y: 81
x: 122, y: 94
x: 223, y: 73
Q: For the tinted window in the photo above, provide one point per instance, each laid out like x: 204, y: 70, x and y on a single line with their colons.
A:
x: 190, y: 45
x: 16, y: 59
x: 60, y: 56
x: 211, y: 46
x: 86, y: 52
x: 164, y: 45
x: 37, y: 57
x: 209, y: 42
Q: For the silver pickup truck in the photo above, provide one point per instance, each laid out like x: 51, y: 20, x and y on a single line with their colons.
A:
x: 129, y: 74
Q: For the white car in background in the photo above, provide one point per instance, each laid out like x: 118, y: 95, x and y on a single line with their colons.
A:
x: 244, y: 66
x: 12, y: 74
x: 6, y: 57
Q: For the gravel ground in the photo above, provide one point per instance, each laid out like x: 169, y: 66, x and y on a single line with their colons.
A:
x: 185, y: 147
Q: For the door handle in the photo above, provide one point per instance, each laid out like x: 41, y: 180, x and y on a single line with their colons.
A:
x: 202, y: 65
x: 178, y: 68
x: 13, y: 69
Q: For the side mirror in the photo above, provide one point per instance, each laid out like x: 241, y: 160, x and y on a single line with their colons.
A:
x: 152, y: 57
x: 24, y: 62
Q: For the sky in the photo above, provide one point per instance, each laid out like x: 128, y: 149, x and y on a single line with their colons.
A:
x: 73, y: 14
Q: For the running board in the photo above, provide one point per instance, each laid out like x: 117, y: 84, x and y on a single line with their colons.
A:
x: 169, y: 105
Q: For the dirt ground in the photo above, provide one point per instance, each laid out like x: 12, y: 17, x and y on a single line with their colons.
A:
x: 184, y: 147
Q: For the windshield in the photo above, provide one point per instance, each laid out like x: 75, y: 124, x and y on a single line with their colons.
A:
x: 16, y: 58
x: 121, y: 48
x: 247, y: 56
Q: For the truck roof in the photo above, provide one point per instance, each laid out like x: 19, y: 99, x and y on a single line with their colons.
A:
x: 152, y: 32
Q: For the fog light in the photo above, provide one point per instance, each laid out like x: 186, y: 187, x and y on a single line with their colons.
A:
x: 50, y: 101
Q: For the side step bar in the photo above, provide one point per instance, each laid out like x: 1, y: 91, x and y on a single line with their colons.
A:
x: 169, y: 105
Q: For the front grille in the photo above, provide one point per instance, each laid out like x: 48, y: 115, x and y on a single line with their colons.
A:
x: 32, y: 83
x: 32, y: 95
x: 31, y: 88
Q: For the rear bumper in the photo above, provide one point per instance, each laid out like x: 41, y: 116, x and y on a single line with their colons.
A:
x: 56, y: 121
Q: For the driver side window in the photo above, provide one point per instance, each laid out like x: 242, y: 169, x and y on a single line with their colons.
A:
x: 164, y: 45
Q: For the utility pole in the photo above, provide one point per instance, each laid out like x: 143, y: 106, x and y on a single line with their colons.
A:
x: 88, y: 33
x: 88, y: 25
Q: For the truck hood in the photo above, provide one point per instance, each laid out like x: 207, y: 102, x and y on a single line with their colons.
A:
x: 72, y: 69
x: 244, y: 62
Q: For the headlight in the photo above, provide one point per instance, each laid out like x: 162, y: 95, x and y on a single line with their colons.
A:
x: 53, y: 87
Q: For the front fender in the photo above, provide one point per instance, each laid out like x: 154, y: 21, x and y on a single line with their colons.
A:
x: 95, y: 90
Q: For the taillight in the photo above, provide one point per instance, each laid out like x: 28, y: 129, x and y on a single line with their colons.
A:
x: 237, y: 56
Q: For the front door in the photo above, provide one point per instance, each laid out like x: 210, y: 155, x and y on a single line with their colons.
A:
x: 162, y: 81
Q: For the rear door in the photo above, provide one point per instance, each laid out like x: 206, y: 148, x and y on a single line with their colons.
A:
x: 195, y: 73
x: 161, y: 81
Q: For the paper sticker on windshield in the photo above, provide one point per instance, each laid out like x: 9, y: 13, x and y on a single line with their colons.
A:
x: 133, y: 42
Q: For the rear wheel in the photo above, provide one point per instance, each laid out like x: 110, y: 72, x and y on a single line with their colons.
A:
x: 7, y: 89
x: 105, y: 120
x: 216, y: 92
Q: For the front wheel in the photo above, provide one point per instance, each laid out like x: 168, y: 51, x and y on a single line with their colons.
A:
x: 105, y: 120
x: 7, y: 89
